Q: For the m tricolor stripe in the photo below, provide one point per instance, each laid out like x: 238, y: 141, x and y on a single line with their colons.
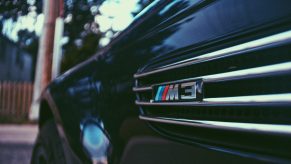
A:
x: 162, y: 93
x: 165, y: 92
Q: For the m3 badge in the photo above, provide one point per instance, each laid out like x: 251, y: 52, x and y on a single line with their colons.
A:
x: 183, y: 91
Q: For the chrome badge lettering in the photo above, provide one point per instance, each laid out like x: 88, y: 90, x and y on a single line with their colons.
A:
x: 172, y: 93
x: 190, y: 91
x: 177, y: 92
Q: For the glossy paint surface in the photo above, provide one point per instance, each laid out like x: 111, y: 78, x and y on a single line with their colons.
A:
x: 171, y: 31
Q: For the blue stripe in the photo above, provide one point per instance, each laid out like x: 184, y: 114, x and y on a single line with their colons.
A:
x: 159, y: 94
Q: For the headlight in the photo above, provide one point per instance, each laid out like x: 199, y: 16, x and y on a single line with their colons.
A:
x: 95, y: 142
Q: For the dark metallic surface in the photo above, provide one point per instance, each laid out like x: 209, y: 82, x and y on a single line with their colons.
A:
x: 101, y: 88
x: 281, y: 38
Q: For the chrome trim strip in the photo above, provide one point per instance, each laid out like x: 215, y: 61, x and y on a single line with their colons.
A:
x: 141, y: 89
x: 245, y: 73
x: 281, y: 38
x: 239, y: 100
x: 250, y: 127
x: 272, y: 98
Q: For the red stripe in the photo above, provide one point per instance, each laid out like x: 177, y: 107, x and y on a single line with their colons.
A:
x: 165, y: 92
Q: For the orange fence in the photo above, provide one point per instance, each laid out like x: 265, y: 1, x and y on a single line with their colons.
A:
x: 15, y: 99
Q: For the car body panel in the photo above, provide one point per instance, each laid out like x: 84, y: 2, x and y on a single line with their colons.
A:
x: 100, y: 89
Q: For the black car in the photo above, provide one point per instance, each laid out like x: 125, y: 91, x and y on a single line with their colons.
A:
x: 197, y: 81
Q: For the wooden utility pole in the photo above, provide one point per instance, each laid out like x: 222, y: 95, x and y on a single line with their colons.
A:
x: 52, y: 9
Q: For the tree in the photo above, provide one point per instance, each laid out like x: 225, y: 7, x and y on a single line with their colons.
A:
x: 90, y: 26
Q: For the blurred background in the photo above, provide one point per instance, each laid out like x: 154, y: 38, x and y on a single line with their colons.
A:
x: 83, y: 27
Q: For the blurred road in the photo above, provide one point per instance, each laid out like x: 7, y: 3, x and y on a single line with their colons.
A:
x: 16, y: 142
